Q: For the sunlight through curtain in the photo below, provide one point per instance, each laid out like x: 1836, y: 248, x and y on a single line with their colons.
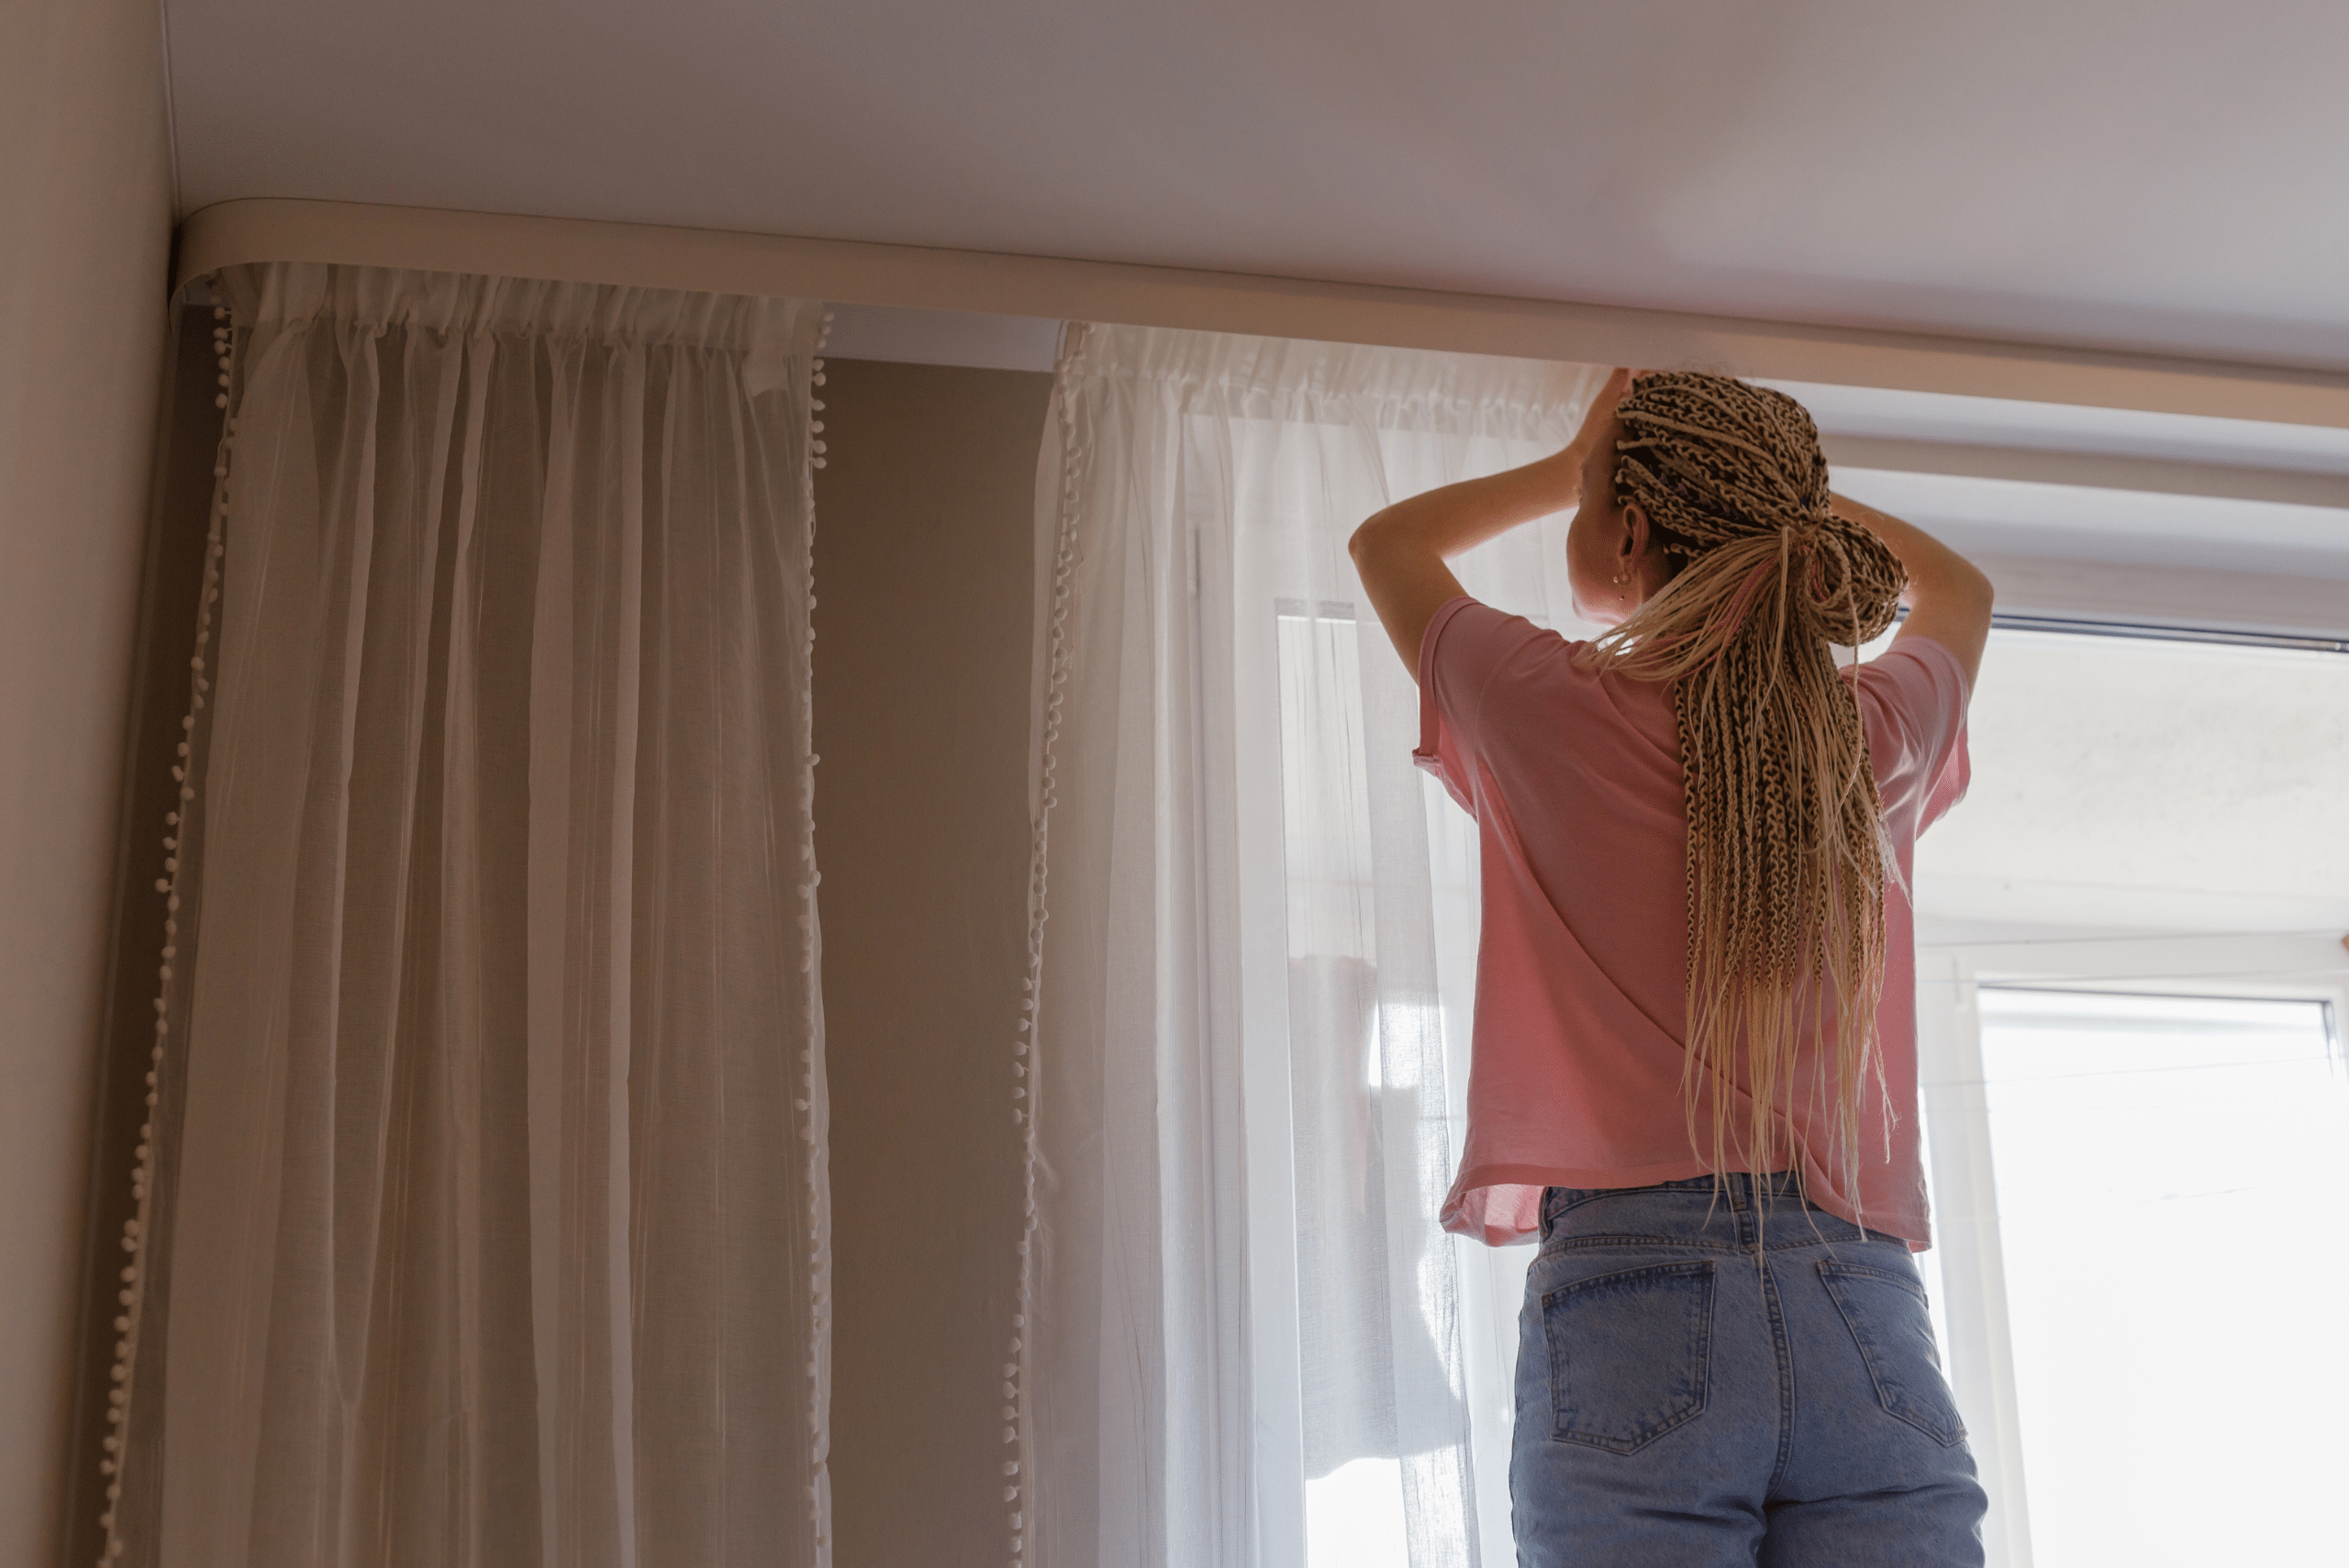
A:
x: 1254, y: 1345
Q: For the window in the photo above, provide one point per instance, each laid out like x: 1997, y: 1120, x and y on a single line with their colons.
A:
x: 2131, y: 1120
x: 2133, y: 1196
x: 2173, y: 1322
x: 1375, y: 1122
x: 2129, y: 999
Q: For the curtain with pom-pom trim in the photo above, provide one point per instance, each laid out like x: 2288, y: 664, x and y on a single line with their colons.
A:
x: 485, y: 1215
x: 1239, y: 1339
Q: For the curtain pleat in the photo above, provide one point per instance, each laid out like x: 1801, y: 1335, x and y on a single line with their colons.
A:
x: 490, y: 1225
x: 1253, y: 1344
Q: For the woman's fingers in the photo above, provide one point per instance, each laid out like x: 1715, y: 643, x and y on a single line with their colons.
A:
x: 1601, y: 411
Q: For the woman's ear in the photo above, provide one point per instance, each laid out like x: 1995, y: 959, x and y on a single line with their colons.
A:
x: 1634, y: 546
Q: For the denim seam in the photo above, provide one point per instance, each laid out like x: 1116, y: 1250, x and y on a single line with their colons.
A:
x: 1783, y: 1352
x: 1592, y: 1194
x: 1631, y: 1238
x: 1836, y: 1266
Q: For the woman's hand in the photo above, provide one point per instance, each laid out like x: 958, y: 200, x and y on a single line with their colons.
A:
x: 1401, y: 552
x: 1598, y: 419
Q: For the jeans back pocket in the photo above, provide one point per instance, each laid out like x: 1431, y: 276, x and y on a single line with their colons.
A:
x: 1888, y: 1321
x: 1628, y: 1354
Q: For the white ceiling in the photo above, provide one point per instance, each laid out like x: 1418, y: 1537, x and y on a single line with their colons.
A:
x: 2145, y: 174
x: 2149, y: 174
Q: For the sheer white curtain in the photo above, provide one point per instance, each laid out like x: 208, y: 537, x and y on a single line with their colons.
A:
x: 484, y: 1203
x: 1255, y: 934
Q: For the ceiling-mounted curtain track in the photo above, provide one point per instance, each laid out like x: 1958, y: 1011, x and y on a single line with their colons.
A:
x: 710, y: 261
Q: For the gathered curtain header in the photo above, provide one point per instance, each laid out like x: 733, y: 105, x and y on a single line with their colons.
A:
x: 1286, y: 378
x: 293, y: 294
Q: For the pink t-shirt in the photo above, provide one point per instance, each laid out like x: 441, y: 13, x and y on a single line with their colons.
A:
x: 1573, y: 778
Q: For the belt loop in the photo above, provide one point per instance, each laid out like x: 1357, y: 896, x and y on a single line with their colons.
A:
x: 1542, y: 1209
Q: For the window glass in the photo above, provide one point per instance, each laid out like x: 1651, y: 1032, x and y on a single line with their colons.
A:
x: 2176, y: 1253
x: 2138, y: 786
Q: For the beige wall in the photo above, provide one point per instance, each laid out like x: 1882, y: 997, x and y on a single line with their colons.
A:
x: 923, y: 581
x: 85, y: 233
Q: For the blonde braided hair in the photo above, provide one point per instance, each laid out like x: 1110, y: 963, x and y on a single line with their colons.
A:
x: 1787, y: 852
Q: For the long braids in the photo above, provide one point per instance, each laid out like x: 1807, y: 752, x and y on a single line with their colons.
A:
x: 1787, y: 854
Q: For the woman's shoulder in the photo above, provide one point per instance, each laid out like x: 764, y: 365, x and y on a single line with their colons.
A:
x: 1472, y: 622
x: 1912, y: 700
x: 1915, y: 673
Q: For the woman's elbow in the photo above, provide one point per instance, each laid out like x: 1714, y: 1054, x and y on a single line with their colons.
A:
x: 1959, y: 584
x: 1984, y: 594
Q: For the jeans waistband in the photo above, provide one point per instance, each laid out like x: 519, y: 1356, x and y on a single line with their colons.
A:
x: 1724, y: 1208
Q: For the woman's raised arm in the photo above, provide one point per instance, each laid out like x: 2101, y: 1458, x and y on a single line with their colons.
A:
x: 1401, y: 550
x: 1948, y: 597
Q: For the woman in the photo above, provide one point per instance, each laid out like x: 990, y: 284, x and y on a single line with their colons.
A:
x: 1694, y: 1068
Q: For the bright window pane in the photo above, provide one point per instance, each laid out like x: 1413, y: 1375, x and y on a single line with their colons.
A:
x: 1353, y: 1517
x: 2124, y: 785
x: 1380, y: 1379
x: 2177, y: 1253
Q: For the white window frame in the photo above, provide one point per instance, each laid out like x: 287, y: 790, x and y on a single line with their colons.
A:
x: 1491, y: 1279
x: 1968, y: 1254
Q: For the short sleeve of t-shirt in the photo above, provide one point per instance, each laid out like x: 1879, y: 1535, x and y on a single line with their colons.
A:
x: 1466, y: 646
x: 1912, y: 702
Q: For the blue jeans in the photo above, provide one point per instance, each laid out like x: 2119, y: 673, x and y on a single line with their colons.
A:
x: 1729, y: 1376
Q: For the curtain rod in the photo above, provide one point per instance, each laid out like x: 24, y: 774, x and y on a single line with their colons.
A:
x: 2152, y: 631
x: 917, y: 277
x: 2129, y: 631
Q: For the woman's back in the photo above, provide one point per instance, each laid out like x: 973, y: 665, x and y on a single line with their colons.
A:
x: 1575, y: 777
